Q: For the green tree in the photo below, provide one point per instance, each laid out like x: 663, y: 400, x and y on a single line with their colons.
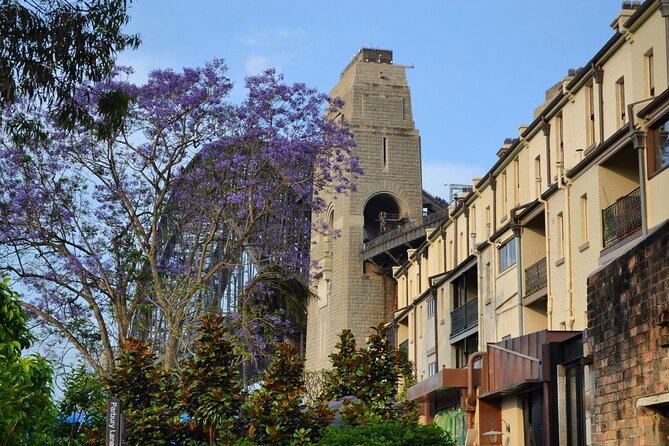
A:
x: 376, y: 377
x: 210, y: 391
x: 346, y: 377
x: 50, y: 46
x: 27, y: 414
x: 81, y: 410
x: 276, y: 411
x: 148, y: 395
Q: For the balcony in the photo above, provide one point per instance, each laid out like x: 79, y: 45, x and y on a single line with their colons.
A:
x: 621, y: 219
x: 464, y: 317
x: 535, y: 277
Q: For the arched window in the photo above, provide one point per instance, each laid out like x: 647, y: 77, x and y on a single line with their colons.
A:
x: 382, y: 215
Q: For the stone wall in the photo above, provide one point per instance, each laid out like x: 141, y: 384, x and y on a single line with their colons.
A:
x: 628, y: 301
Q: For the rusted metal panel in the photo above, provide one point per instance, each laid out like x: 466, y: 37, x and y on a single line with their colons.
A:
x: 519, y: 362
x: 444, y: 379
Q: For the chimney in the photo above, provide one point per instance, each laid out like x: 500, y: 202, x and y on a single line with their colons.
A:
x: 505, y: 147
x: 628, y: 8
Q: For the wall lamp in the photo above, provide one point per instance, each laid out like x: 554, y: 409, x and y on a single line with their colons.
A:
x: 492, y: 433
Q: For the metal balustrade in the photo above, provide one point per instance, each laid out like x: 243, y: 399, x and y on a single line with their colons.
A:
x: 621, y: 219
x: 464, y: 317
x: 535, y: 277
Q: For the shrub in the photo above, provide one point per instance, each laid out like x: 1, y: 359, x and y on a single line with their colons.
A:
x: 388, y: 433
x: 276, y: 412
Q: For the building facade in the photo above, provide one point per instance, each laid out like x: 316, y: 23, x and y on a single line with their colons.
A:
x: 354, y: 292
x: 501, y: 285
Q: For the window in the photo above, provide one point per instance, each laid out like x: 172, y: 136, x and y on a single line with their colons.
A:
x: 472, y: 228
x: 650, y: 78
x: 451, y: 250
x: 516, y: 177
x: 385, y: 153
x: 560, y: 235
x: 431, y: 307
x: 590, y: 114
x: 584, y: 218
x: 621, y: 116
x: 464, y: 348
x: 507, y: 255
x: 487, y: 221
x: 505, y: 196
x: 537, y: 174
x: 575, y: 406
x: 658, y: 146
x: 432, y: 368
x: 559, y: 135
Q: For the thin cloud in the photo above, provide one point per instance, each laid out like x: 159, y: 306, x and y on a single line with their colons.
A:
x: 438, y: 175
x: 268, y: 39
x: 257, y: 64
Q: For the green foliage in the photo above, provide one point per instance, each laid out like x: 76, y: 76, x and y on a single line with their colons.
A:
x: 50, y: 46
x: 84, y: 394
x: 27, y: 414
x: 388, y: 433
x: 373, y: 376
x: 276, y: 411
x: 346, y: 377
x: 148, y: 395
x: 210, y: 392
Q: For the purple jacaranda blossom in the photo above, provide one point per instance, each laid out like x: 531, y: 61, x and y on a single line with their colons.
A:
x: 121, y: 232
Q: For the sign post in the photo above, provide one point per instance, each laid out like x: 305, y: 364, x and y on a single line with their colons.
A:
x: 114, y: 433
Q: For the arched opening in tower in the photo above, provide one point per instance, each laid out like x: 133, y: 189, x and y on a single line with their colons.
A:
x: 382, y: 215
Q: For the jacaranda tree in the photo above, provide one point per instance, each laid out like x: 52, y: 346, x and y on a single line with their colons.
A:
x: 118, y: 227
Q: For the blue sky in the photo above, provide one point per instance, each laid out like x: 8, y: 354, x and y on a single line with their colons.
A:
x: 480, y: 67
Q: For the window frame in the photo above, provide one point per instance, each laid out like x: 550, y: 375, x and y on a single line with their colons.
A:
x: 655, y: 148
x: 508, y: 246
x: 431, y: 307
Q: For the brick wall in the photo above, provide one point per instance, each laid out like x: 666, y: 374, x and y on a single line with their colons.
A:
x: 630, y: 369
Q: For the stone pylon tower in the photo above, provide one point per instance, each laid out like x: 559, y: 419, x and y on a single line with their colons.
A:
x: 354, y: 293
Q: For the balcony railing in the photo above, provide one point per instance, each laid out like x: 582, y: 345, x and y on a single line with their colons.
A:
x: 535, y: 277
x: 464, y: 317
x: 621, y: 219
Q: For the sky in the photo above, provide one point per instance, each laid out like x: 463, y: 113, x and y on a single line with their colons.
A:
x: 479, y: 68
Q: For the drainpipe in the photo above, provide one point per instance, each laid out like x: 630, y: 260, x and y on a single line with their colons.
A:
x: 547, y: 242
x: 546, y: 128
x: 436, y: 325
x: 455, y: 242
x: 470, y: 401
x: 566, y: 226
x: 515, y: 227
x: 493, y: 186
x: 599, y: 79
x: 639, y: 140
x: 415, y: 343
x: 444, y: 248
x: 466, y: 212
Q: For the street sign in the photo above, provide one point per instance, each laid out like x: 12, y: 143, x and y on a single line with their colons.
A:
x: 114, y: 423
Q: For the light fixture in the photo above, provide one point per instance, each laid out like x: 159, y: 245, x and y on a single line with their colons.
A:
x: 493, y: 433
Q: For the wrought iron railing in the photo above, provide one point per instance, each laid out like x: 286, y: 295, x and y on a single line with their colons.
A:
x: 621, y: 219
x: 464, y: 317
x: 535, y: 277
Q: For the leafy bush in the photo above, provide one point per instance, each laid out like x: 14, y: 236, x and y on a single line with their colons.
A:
x: 81, y: 420
x: 148, y: 395
x: 388, y: 433
x: 27, y: 414
x: 373, y: 376
x: 210, y: 391
x: 276, y: 412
